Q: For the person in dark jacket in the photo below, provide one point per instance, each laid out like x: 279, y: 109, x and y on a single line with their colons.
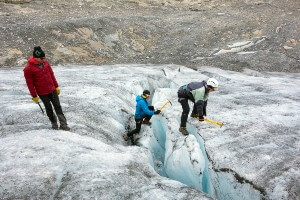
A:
x: 42, y: 83
x: 142, y: 115
x: 198, y: 93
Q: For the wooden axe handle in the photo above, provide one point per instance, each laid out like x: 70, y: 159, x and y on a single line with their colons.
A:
x: 214, y: 122
x: 164, y: 105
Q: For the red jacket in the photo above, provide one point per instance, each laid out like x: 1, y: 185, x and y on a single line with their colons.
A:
x: 39, y: 80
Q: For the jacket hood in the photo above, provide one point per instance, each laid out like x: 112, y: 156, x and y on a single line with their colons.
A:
x: 138, y: 98
x: 32, y: 60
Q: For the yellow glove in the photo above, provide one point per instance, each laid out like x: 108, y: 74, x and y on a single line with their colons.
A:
x: 57, y: 90
x: 35, y: 99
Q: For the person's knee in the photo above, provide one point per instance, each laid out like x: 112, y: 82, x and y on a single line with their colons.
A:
x: 58, y: 109
x: 48, y: 108
x: 186, y: 111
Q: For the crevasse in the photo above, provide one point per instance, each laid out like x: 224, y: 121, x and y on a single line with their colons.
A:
x: 177, y: 160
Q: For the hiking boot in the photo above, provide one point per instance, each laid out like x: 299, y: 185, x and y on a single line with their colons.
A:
x: 125, y: 136
x: 194, y: 115
x: 54, y: 126
x: 183, y: 130
x: 64, y: 128
x: 147, y: 122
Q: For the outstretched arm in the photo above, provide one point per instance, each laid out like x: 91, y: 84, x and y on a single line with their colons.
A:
x: 146, y: 109
x: 204, y: 108
x: 200, y: 107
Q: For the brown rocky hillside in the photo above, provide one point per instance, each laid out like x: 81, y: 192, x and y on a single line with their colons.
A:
x: 230, y: 34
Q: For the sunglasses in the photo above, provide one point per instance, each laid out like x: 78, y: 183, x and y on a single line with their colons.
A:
x: 146, y: 95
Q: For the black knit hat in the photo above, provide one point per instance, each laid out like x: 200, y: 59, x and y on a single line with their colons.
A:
x: 38, y: 52
x: 146, y: 92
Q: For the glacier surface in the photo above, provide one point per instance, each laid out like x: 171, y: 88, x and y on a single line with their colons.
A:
x: 254, y: 155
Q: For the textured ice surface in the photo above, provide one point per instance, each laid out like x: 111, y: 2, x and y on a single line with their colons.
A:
x: 259, y: 141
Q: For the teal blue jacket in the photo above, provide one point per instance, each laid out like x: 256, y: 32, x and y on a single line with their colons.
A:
x: 142, y: 108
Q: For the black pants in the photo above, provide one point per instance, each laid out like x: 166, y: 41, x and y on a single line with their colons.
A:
x: 138, y: 123
x: 53, y: 99
x: 138, y: 126
x: 184, y: 101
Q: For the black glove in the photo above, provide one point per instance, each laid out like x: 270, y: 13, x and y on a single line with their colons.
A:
x: 151, y: 107
x: 157, y: 112
x: 201, y: 118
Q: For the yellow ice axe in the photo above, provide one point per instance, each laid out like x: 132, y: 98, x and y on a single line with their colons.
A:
x: 165, y: 104
x: 214, y: 122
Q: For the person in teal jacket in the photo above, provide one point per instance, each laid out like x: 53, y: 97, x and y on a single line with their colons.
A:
x: 198, y: 93
x: 142, y: 114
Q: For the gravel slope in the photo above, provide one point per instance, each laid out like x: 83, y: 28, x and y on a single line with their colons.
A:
x: 191, y: 33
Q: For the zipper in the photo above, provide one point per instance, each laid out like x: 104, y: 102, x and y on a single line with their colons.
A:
x: 46, y: 78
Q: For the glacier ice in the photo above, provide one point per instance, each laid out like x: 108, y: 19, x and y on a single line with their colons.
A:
x: 255, y: 151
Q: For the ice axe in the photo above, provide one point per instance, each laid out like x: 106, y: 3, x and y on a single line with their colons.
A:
x: 214, y: 122
x: 41, y: 107
x: 165, y: 104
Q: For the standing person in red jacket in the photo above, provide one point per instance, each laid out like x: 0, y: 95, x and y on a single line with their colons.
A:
x: 41, y: 83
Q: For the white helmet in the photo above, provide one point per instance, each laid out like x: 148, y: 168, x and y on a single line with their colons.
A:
x: 213, y: 83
